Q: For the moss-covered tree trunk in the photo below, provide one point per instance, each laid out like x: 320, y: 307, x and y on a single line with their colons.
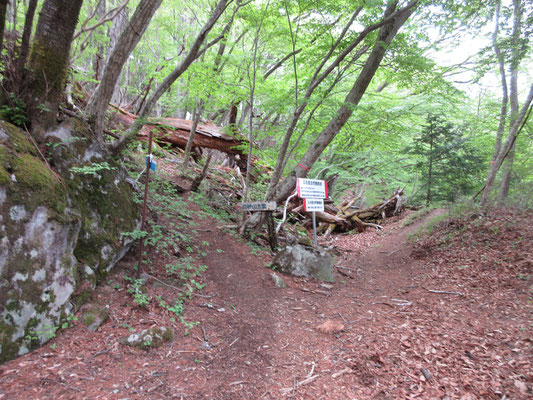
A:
x: 50, y: 59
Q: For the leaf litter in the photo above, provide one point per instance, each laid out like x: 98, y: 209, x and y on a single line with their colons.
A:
x: 396, y: 329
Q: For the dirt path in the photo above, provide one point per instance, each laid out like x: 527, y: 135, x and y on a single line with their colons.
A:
x: 255, y: 341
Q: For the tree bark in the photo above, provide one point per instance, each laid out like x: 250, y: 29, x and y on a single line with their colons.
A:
x: 99, y: 101
x: 507, y: 172
x: 511, y: 139
x: 50, y: 59
x: 385, y: 36
x: 25, y: 44
x: 430, y: 173
x: 513, y: 101
x: 3, y: 15
x: 195, y: 119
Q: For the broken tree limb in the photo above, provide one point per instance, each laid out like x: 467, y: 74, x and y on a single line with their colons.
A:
x: 443, y: 291
x: 378, y: 227
x: 345, y: 206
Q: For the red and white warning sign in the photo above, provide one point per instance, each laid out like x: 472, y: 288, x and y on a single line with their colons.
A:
x: 312, y: 188
x: 314, y: 205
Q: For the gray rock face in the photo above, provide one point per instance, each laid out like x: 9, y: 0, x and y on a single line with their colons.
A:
x: 60, y: 232
x: 309, y: 262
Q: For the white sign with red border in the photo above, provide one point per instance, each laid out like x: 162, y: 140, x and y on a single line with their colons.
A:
x: 312, y: 188
x: 314, y: 205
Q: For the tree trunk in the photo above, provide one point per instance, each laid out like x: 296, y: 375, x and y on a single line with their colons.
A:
x: 430, y: 172
x: 50, y: 60
x: 513, y: 102
x: 516, y: 117
x: 507, y: 172
x: 99, y: 101
x: 385, y: 36
x: 3, y: 15
x: 25, y: 44
x: 511, y: 138
x: 197, y: 113
x: 98, y: 58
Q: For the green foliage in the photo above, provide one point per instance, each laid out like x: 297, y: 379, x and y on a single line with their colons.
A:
x: 137, y: 289
x: 135, y: 235
x: 92, y: 169
x: 48, y: 332
x: 169, y: 231
x: 15, y: 111
x: 448, y: 164
x: 184, y: 269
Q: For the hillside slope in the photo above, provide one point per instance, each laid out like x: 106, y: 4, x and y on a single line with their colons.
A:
x: 451, y: 319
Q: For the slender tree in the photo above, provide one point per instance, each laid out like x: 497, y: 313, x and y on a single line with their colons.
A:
x: 99, y: 101
x: 391, y: 17
x: 3, y: 15
x: 26, y: 35
x: 509, y: 52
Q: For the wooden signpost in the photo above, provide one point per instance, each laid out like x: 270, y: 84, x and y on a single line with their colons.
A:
x: 267, y: 206
x: 313, y: 191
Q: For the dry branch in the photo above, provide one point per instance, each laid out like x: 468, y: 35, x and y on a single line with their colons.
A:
x: 344, y: 219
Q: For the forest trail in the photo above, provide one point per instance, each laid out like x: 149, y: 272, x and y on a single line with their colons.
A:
x: 272, y: 332
x: 255, y: 341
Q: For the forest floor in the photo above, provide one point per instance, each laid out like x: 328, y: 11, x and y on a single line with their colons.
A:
x: 449, y: 317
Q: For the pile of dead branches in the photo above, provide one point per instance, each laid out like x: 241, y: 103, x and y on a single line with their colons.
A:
x: 344, y: 218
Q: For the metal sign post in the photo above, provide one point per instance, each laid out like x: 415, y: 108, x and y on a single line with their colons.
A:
x: 314, y: 229
x: 313, y: 191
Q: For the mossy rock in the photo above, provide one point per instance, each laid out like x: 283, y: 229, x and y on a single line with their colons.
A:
x: 149, y: 338
x: 33, y: 183
x: 18, y: 140
x: 61, y: 231
x: 309, y: 262
x: 93, y: 318
x: 305, y: 241
x: 4, y: 177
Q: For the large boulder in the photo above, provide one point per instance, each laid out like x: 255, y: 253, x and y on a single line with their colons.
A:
x: 307, y: 261
x: 60, y: 229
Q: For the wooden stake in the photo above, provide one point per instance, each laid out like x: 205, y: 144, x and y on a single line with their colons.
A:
x: 143, y: 220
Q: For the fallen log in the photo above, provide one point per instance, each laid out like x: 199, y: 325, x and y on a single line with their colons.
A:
x: 175, y: 132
